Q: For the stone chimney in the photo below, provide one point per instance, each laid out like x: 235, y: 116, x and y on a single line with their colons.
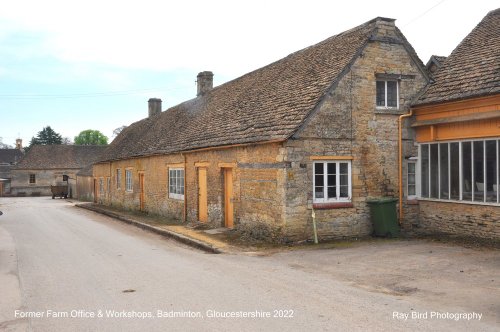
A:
x: 154, y: 106
x: 19, y: 144
x: 205, y: 82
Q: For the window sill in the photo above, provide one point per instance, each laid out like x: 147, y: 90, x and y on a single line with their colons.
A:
x: 330, y: 206
x: 176, y: 197
x: 412, y: 201
x: 389, y: 110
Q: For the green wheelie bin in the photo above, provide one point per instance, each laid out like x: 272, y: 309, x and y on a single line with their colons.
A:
x: 384, y: 216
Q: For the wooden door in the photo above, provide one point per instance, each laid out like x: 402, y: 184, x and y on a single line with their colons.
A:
x: 202, y: 195
x: 228, y: 198
x: 141, y: 194
x: 95, y: 190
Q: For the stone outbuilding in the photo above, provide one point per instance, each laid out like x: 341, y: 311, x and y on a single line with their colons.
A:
x: 317, y: 129
x: 457, y: 124
x: 45, y: 165
x: 8, y: 160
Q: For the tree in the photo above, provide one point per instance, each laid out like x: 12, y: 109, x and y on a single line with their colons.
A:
x: 67, y: 141
x: 118, y: 130
x: 91, y: 137
x: 47, y: 136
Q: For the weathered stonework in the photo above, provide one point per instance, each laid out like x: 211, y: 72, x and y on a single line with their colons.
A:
x: 473, y: 220
x: 273, y: 182
x: 21, y: 185
x: 257, y: 184
x: 347, y: 123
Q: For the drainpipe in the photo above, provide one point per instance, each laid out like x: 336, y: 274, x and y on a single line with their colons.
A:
x: 400, y: 143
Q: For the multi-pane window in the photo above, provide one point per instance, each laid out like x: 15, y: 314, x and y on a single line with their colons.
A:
x: 118, y: 178
x: 128, y: 180
x: 176, y: 183
x: 332, y: 181
x: 411, y: 178
x: 32, y: 178
x: 387, y: 94
x: 465, y: 171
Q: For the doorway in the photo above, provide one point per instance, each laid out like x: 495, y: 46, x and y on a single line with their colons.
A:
x: 228, y: 198
x: 202, y: 195
x: 141, y: 193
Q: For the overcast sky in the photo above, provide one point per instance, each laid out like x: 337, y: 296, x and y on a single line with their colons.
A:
x: 77, y: 65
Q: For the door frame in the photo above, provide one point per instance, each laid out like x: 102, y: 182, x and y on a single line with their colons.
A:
x: 95, y: 190
x: 202, y: 203
x: 142, y: 195
x: 228, y: 197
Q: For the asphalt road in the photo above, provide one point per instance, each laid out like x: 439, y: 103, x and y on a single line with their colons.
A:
x: 76, y: 269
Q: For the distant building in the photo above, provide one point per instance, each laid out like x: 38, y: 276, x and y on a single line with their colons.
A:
x: 45, y: 165
x: 9, y: 159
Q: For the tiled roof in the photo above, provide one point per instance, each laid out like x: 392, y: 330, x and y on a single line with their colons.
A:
x: 439, y: 58
x: 264, y: 105
x: 472, y: 69
x: 10, y: 156
x: 86, y: 171
x: 60, y: 156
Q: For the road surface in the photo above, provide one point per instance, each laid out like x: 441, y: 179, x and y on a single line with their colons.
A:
x: 68, y: 269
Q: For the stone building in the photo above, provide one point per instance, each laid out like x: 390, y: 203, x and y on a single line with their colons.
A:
x: 316, y: 129
x: 45, y: 165
x: 8, y: 160
x: 457, y: 123
x: 85, y: 184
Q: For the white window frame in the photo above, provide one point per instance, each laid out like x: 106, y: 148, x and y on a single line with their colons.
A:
x: 129, y: 181
x: 460, y: 158
x: 118, y: 178
x: 176, y: 195
x: 325, y: 199
x: 385, y: 94
x: 414, y: 161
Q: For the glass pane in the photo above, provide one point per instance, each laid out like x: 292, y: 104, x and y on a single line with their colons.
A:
x: 425, y: 170
x: 411, y: 168
x: 380, y: 93
x: 318, y: 168
x: 466, y: 171
x: 491, y: 171
x: 344, y: 191
x: 319, y: 180
x: 344, y: 168
x: 332, y: 180
x: 332, y: 168
x: 392, y: 94
x: 411, y: 190
x: 318, y: 192
x: 479, y: 171
x: 344, y: 180
x: 332, y: 192
x: 455, y: 170
x: 434, y: 171
x: 443, y: 171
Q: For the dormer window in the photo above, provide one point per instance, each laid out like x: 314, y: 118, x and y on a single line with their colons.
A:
x: 387, y: 94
